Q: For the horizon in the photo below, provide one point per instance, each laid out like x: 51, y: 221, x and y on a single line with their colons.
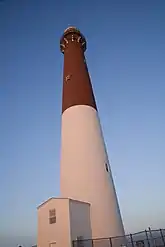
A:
x: 126, y: 60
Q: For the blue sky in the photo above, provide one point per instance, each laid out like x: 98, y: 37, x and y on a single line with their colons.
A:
x: 126, y: 60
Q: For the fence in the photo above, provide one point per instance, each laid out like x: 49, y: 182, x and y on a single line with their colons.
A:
x: 151, y: 238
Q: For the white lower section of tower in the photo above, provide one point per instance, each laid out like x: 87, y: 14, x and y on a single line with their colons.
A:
x: 83, y: 170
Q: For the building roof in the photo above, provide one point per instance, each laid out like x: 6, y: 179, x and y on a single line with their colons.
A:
x: 61, y: 198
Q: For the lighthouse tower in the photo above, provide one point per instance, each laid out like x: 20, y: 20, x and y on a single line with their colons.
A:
x: 85, y: 169
x: 87, y: 207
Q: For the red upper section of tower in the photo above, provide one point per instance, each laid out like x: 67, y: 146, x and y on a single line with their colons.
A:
x: 77, y: 88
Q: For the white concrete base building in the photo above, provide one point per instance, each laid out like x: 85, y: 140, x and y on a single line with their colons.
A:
x: 61, y: 220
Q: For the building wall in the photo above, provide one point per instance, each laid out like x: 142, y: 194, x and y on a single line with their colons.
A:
x: 57, y: 234
x: 72, y: 221
x: 80, y: 224
x: 83, y: 171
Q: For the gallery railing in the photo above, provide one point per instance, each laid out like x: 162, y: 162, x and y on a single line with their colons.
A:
x: 148, y: 238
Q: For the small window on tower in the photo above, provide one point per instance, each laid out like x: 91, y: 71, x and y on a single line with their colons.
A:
x: 106, y: 166
x: 67, y: 78
x: 52, y: 216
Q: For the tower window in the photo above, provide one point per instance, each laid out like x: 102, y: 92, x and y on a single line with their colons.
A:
x: 106, y: 167
x: 52, y: 216
x: 67, y: 78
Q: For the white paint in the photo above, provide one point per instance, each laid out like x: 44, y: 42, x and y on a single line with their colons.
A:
x: 83, y: 172
x: 79, y: 38
x: 72, y: 220
x: 66, y: 40
x: 80, y: 220
x: 50, y: 233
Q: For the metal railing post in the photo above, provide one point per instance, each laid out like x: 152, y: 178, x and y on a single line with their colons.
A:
x: 73, y: 243
x: 163, y: 238
x: 132, y: 242
x: 110, y: 241
x: 147, y: 238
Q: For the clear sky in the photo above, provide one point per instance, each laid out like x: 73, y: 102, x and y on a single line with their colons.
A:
x: 126, y: 60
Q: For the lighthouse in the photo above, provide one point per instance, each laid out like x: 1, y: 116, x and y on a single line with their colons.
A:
x: 88, y: 206
x: 85, y: 169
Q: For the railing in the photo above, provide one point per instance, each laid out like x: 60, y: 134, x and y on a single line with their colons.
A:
x: 148, y: 238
